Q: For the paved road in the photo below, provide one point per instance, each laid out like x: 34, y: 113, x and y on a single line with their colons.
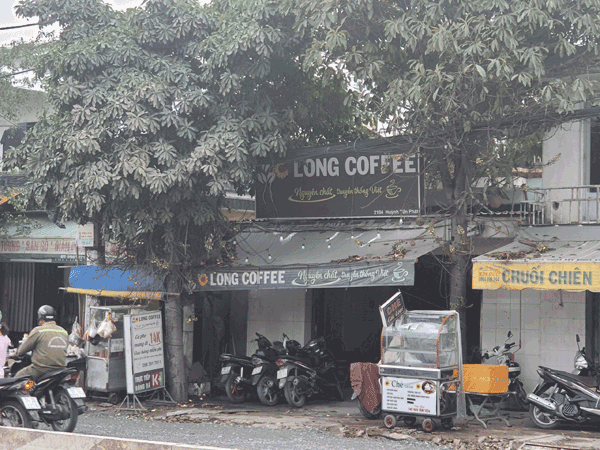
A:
x: 238, y: 437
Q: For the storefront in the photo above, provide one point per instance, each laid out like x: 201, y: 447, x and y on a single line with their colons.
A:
x: 544, y: 287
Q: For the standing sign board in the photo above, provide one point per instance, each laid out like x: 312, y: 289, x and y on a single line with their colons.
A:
x: 144, y: 353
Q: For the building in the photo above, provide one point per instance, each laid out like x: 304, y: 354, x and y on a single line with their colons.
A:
x: 544, y: 286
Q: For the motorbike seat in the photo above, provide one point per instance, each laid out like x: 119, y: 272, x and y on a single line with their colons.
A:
x: 4, y: 381
x: 54, y: 373
x: 588, y: 381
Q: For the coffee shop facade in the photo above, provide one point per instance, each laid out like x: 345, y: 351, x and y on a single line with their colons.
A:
x: 337, y: 233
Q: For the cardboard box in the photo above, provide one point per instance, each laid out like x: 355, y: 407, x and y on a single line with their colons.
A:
x: 485, y: 378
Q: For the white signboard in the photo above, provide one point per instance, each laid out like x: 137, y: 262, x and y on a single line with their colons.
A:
x: 404, y: 395
x: 144, y: 355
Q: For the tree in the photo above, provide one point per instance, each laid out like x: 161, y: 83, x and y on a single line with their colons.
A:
x: 458, y: 76
x: 156, y: 111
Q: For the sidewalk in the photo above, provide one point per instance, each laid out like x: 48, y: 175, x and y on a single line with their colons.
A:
x: 344, y: 418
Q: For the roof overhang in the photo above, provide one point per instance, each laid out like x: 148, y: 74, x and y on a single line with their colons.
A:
x: 111, y: 281
x: 323, y: 256
x: 565, y: 257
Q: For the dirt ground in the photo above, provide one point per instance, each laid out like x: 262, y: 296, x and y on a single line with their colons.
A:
x: 344, y: 418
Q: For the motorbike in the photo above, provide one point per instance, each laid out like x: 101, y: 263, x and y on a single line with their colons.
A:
x: 61, y: 401
x: 236, y: 373
x: 264, y: 374
x: 505, y: 356
x: 308, y: 371
x: 563, y: 397
x: 17, y: 406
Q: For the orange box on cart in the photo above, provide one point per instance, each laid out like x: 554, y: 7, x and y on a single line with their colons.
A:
x: 485, y: 378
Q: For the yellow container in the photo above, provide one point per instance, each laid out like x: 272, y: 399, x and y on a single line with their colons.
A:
x: 485, y: 378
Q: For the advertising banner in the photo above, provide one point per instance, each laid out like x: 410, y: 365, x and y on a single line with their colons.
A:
x: 566, y: 276
x: 386, y: 273
x: 144, y: 355
x: 344, y: 185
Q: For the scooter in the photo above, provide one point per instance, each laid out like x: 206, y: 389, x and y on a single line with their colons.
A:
x: 506, y: 357
x: 18, y: 407
x: 61, y: 401
x: 264, y: 374
x: 236, y: 373
x: 563, y: 397
x: 311, y: 370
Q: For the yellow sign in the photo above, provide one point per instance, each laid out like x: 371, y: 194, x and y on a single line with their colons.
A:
x: 567, y: 276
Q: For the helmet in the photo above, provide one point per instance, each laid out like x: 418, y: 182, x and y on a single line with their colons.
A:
x: 46, y: 312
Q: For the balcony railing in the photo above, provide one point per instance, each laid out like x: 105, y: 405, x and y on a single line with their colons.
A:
x: 567, y: 205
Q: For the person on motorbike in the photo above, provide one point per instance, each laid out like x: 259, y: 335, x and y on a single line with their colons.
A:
x: 47, y: 343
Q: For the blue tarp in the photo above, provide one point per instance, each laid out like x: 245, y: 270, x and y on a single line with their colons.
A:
x: 116, y: 279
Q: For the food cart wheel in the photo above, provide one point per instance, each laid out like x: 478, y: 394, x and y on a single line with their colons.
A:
x: 448, y: 422
x: 409, y: 421
x: 428, y: 425
x: 390, y: 421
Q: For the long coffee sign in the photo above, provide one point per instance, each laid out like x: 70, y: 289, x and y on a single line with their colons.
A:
x: 349, y: 185
x: 394, y: 273
x: 547, y: 276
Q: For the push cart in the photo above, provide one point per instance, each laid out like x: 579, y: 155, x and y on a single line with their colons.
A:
x: 420, y: 368
x: 106, y: 357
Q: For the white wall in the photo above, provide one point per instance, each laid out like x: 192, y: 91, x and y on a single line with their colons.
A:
x: 545, y: 321
x: 272, y: 312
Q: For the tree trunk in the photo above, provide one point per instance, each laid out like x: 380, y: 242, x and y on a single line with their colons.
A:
x: 460, y: 259
x: 175, y: 373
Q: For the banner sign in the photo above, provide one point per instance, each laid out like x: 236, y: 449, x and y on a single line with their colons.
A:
x: 566, y: 276
x: 348, y: 185
x: 392, y: 309
x: 144, y: 355
x: 56, y: 250
x: 388, y: 273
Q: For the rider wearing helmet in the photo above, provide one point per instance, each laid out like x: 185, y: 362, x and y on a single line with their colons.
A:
x: 48, y: 344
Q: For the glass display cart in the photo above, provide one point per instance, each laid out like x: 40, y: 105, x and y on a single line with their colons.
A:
x: 420, y: 367
x: 106, y: 356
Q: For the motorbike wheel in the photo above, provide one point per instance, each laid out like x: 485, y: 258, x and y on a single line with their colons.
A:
x: 371, y: 415
x: 520, y: 397
x: 62, y: 398
x: 12, y: 414
x: 235, y: 392
x: 542, y: 419
x: 292, y: 397
x: 267, y: 391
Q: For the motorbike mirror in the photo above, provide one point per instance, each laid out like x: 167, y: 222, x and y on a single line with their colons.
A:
x: 509, y: 335
x: 577, y: 338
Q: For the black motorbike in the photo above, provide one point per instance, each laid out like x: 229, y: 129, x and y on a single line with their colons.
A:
x: 17, y: 406
x: 308, y: 371
x: 236, y: 373
x: 61, y: 401
x: 563, y: 397
x: 264, y: 374
x: 505, y: 356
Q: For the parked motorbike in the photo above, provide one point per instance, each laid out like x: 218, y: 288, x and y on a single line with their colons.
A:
x: 236, y: 373
x: 563, y: 397
x: 264, y: 374
x: 506, y: 357
x: 308, y: 371
x: 61, y: 401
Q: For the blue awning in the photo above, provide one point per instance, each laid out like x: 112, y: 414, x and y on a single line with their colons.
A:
x: 110, y: 281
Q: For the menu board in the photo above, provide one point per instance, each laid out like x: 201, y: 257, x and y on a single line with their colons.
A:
x: 144, y: 352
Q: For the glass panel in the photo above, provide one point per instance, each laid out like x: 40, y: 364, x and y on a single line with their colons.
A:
x: 418, y: 339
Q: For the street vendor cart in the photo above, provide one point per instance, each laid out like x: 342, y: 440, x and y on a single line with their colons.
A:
x: 420, y: 366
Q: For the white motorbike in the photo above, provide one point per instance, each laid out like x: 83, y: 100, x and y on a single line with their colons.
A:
x: 505, y: 356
